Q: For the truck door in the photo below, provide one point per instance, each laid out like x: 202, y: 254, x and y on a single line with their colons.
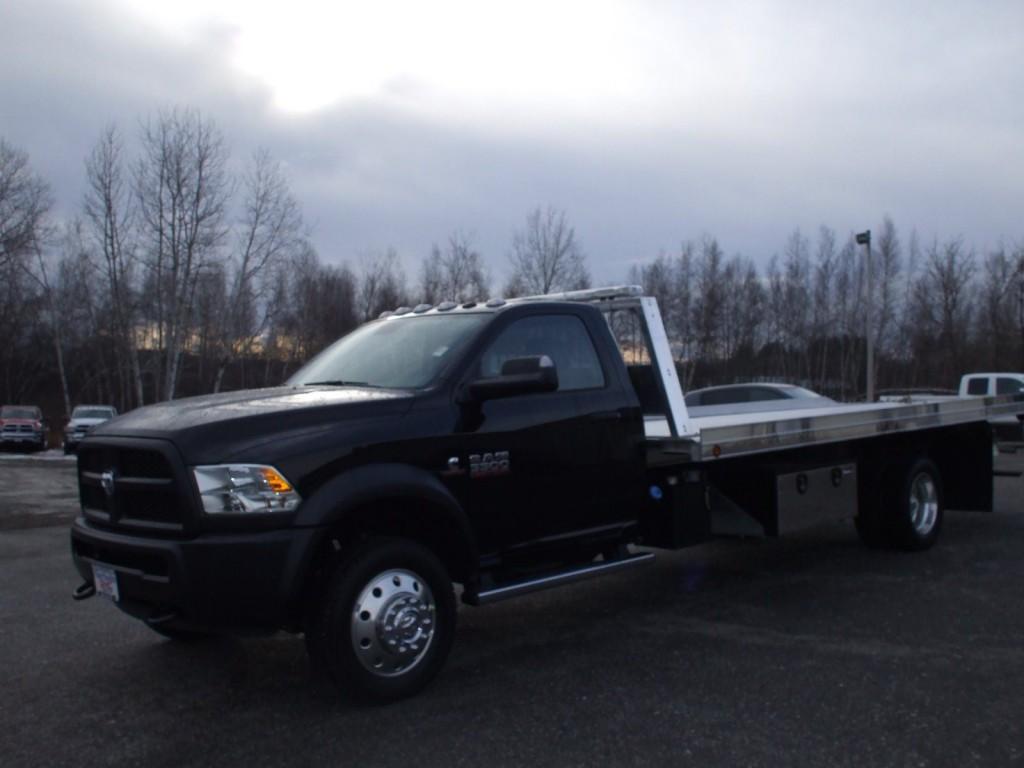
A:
x: 552, y: 442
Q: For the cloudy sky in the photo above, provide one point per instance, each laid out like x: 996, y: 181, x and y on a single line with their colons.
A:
x: 648, y: 122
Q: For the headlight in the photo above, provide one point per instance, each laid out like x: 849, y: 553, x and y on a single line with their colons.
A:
x: 243, y: 489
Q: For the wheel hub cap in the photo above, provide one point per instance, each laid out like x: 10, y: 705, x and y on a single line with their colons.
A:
x: 924, y: 504
x: 393, y: 622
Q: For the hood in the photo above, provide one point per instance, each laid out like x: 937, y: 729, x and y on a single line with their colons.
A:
x: 86, y: 422
x: 21, y: 422
x: 231, y: 422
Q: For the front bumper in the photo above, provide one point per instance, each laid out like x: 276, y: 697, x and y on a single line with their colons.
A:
x: 228, y: 582
x: 23, y: 438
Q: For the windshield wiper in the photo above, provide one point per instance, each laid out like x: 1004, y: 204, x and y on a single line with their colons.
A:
x: 339, y: 383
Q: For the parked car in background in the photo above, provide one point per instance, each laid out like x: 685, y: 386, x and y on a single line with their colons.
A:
x: 753, y: 398
x: 990, y: 384
x: 83, y: 419
x: 1005, y: 428
x: 22, y: 426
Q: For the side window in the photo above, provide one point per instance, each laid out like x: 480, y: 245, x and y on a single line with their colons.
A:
x: 978, y: 386
x: 757, y: 394
x: 726, y: 396
x: 1008, y: 386
x: 563, y: 338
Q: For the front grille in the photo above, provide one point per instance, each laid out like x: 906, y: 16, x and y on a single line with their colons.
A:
x: 141, y: 490
x: 18, y: 429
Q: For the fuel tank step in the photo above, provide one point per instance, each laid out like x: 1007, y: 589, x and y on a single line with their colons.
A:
x: 499, y: 592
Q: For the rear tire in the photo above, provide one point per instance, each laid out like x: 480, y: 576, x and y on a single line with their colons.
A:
x: 906, y: 511
x: 384, y: 623
x: 918, y: 507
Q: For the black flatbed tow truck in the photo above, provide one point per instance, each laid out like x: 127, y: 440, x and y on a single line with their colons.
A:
x: 506, y: 447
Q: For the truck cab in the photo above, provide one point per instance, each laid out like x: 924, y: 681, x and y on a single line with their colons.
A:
x: 989, y: 384
x: 491, y: 440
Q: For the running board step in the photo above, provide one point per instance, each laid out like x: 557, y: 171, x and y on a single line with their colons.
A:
x: 556, y: 579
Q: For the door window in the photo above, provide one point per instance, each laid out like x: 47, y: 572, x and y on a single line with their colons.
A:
x: 978, y: 386
x: 1006, y: 386
x: 563, y: 338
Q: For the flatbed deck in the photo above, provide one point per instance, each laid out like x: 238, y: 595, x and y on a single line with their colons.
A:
x: 726, y: 436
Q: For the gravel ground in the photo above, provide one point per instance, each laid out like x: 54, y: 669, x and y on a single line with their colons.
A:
x: 808, y: 651
x: 37, y: 489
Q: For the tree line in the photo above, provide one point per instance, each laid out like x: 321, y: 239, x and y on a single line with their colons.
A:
x: 938, y: 309
x: 185, y: 273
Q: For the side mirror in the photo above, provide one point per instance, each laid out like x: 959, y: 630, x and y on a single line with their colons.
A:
x: 519, y: 376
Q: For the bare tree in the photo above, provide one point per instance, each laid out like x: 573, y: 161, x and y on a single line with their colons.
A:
x: 681, y: 324
x: 658, y: 279
x: 1018, y: 282
x: 323, y: 305
x: 109, y: 209
x: 943, y: 308
x: 182, y: 190
x: 744, y: 308
x: 270, y: 231
x: 381, y: 283
x: 456, y: 273
x: 996, y: 315
x: 822, y: 304
x: 25, y: 202
x: 903, y: 349
x: 22, y: 360
x: 796, y: 304
x: 776, y: 318
x: 546, y: 256
x: 887, y: 266
x: 708, y: 302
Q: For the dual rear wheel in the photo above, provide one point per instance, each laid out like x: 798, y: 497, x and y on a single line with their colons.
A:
x: 906, y: 510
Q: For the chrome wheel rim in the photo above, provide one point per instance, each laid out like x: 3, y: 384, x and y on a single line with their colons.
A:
x: 393, y: 623
x: 924, y: 504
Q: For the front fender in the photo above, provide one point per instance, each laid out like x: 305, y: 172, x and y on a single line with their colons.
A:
x: 354, y: 489
x: 358, y: 487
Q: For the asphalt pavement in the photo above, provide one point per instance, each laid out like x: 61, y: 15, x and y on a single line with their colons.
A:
x: 808, y: 651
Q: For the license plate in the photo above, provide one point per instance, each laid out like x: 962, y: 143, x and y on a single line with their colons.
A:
x: 105, y: 580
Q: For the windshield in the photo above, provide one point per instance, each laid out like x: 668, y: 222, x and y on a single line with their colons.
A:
x: 19, y: 412
x: 92, y: 413
x: 400, y: 353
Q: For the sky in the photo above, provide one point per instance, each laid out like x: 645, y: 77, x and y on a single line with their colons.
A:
x: 647, y: 122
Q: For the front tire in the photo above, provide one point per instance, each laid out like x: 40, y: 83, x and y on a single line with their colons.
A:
x: 385, y: 621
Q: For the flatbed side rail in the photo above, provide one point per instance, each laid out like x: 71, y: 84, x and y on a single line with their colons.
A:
x: 730, y: 436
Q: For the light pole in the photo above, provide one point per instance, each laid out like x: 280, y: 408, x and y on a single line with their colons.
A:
x: 864, y: 238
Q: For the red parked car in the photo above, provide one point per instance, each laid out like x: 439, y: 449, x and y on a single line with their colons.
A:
x: 21, y: 426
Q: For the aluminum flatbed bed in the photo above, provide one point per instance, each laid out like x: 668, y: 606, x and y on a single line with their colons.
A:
x: 722, y: 437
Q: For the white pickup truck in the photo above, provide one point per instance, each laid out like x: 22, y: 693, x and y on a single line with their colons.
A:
x: 1006, y: 428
